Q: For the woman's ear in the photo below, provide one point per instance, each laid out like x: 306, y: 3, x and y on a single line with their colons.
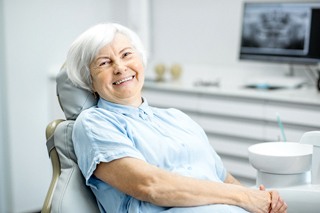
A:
x: 92, y: 85
x: 93, y: 90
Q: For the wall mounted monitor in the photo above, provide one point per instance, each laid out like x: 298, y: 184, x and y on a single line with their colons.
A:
x: 281, y: 32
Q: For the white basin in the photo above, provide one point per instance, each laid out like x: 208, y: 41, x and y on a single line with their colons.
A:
x: 281, y: 157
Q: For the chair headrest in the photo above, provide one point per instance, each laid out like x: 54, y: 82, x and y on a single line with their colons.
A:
x: 72, y: 99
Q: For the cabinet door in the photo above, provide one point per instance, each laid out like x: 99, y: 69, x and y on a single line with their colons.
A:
x: 232, y: 126
x: 296, y: 118
x: 300, y: 114
x: 232, y: 106
x: 238, y: 117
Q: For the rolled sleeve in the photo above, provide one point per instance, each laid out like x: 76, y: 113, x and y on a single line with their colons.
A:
x: 96, y: 140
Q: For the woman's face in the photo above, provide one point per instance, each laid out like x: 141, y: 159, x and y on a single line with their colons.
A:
x: 117, y: 72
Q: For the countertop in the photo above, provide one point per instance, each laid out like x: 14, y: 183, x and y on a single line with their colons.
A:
x: 303, y: 95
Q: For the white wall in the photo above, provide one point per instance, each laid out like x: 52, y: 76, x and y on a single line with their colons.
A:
x: 198, y: 32
x: 4, y: 163
x: 36, y: 34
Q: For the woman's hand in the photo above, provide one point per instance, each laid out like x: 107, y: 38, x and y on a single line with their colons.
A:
x: 269, y: 201
x: 257, y: 201
x: 277, y: 204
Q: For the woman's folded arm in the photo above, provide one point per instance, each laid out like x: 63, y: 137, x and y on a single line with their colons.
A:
x: 152, y: 184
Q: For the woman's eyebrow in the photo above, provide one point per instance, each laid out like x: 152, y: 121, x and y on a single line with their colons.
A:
x: 102, y: 57
x: 126, y: 48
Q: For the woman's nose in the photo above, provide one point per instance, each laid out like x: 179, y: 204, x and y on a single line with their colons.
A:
x: 119, y: 67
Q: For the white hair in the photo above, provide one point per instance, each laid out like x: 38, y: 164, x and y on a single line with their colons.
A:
x: 85, y: 48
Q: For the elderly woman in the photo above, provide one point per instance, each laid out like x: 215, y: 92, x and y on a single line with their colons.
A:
x: 138, y: 158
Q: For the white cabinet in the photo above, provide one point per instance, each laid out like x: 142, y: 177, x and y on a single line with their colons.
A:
x: 234, y: 120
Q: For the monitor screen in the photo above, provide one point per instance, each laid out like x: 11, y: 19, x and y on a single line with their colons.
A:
x: 281, y: 32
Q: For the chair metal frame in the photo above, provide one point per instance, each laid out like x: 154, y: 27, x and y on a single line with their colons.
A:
x: 55, y: 162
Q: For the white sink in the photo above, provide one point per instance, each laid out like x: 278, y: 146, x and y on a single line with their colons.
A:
x: 281, y: 157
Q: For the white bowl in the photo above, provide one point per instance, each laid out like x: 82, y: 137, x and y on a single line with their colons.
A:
x: 281, y: 157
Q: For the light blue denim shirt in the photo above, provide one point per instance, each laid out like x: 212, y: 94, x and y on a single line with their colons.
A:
x: 166, y: 138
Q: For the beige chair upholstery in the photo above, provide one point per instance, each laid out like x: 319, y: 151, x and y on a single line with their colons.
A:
x: 67, y: 192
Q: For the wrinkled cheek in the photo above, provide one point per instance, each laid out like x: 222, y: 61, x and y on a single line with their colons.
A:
x: 101, y: 86
x: 138, y: 67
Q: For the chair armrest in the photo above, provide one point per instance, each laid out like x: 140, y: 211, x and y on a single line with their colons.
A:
x: 51, y: 127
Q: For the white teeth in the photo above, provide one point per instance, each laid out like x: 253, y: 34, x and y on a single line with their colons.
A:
x: 123, y: 80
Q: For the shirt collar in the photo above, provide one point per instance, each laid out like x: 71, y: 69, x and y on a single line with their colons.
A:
x: 142, y: 111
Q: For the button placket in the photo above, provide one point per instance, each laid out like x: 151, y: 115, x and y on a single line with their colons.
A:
x: 143, y: 115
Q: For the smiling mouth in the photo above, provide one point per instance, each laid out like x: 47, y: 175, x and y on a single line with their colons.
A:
x: 123, y: 80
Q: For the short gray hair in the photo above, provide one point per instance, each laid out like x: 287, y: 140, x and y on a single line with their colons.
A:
x: 85, y: 48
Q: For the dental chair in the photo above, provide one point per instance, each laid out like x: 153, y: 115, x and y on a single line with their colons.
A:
x: 67, y: 192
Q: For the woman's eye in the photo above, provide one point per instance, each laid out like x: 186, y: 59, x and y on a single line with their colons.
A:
x: 126, y: 54
x: 103, y: 63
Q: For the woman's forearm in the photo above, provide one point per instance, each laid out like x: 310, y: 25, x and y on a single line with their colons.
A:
x: 149, y: 183
x: 175, y: 190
